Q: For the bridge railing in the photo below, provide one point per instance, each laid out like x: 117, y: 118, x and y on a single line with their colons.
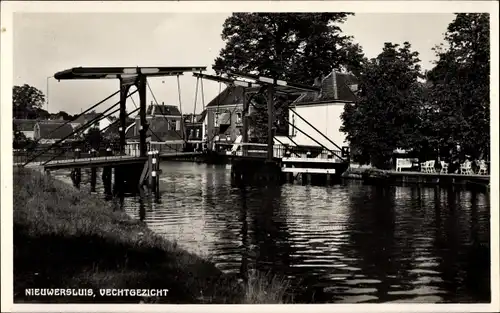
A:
x: 279, y: 151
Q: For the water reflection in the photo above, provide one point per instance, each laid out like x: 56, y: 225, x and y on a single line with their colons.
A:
x: 345, y: 243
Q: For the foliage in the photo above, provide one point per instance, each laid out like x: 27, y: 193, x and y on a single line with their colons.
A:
x: 293, y: 46
x: 387, y: 114
x: 297, y: 47
x: 460, y: 87
x: 94, y: 138
x: 64, y: 115
x: 27, y: 101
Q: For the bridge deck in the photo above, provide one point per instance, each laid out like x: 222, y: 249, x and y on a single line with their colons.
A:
x: 102, y: 161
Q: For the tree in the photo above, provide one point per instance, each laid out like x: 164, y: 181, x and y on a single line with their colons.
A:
x: 26, y: 100
x: 93, y: 138
x: 292, y: 46
x: 297, y: 47
x: 460, y: 85
x: 388, y: 112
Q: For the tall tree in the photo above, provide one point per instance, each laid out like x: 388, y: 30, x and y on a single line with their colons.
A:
x: 387, y: 115
x: 293, y: 46
x: 26, y: 100
x: 461, y: 85
x: 297, y: 47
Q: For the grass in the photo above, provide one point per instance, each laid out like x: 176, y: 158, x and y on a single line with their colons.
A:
x: 64, y: 238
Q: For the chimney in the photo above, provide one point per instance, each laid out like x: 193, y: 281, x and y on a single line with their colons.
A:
x: 335, y: 90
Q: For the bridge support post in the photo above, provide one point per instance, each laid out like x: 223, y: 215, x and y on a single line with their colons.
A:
x: 107, y: 174
x: 93, y: 172
x: 124, y: 88
x: 141, y: 88
x: 76, y: 173
x: 244, y: 138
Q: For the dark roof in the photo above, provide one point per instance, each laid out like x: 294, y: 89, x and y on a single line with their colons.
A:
x: 24, y: 124
x: 199, y: 118
x: 49, y: 130
x: 345, y: 90
x: 162, y: 109
x: 86, y: 118
x: 230, y: 95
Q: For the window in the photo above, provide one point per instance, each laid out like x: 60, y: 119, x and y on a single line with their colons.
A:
x: 172, y: 125
x: 197, y: 133
x: 238, y: 117
x: 216, y: 120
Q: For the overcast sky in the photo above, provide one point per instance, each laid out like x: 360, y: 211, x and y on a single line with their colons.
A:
x: 47, y: 43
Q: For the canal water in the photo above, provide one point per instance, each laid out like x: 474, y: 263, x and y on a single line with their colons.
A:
x: 349, y: 243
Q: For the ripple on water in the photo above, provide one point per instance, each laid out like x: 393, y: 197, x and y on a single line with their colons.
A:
x: 357, y: 299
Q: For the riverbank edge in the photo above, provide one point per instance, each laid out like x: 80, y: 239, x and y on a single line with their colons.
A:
x: 374, y: 176
x: 66, y: 238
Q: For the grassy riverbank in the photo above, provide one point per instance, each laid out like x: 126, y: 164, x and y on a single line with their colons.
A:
x: 65, y: 238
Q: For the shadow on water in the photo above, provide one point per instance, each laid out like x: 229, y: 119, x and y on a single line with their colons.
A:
x: 347, y: 243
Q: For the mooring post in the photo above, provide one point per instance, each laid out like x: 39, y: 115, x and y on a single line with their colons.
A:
x: 93, y: 172
x: 156, y: 173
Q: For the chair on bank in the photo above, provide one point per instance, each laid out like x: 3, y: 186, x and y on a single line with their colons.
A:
x: 444, y: 168
x: 483, y: 168
x: 428, y: 167
x: 466, y: 168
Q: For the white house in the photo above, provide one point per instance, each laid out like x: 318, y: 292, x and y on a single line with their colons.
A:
x: 27, y: 127
x: 322, y: 110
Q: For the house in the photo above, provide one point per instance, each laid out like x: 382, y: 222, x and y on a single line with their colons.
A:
x: 224, y: 117
x: 48, y: 132
x: 323, y: 110
x: 27, y: 127
x: 194, y: 126
x: 165, y: 130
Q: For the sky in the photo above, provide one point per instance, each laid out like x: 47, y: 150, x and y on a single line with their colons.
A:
x: 45, y: 43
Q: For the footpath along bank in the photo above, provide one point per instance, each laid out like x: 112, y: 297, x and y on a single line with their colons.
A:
x: 65, y: 238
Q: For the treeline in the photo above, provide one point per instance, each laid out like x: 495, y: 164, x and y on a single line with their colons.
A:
x: 444, y: 111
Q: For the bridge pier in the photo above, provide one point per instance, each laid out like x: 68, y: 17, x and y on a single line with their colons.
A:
x: 255, y: 172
